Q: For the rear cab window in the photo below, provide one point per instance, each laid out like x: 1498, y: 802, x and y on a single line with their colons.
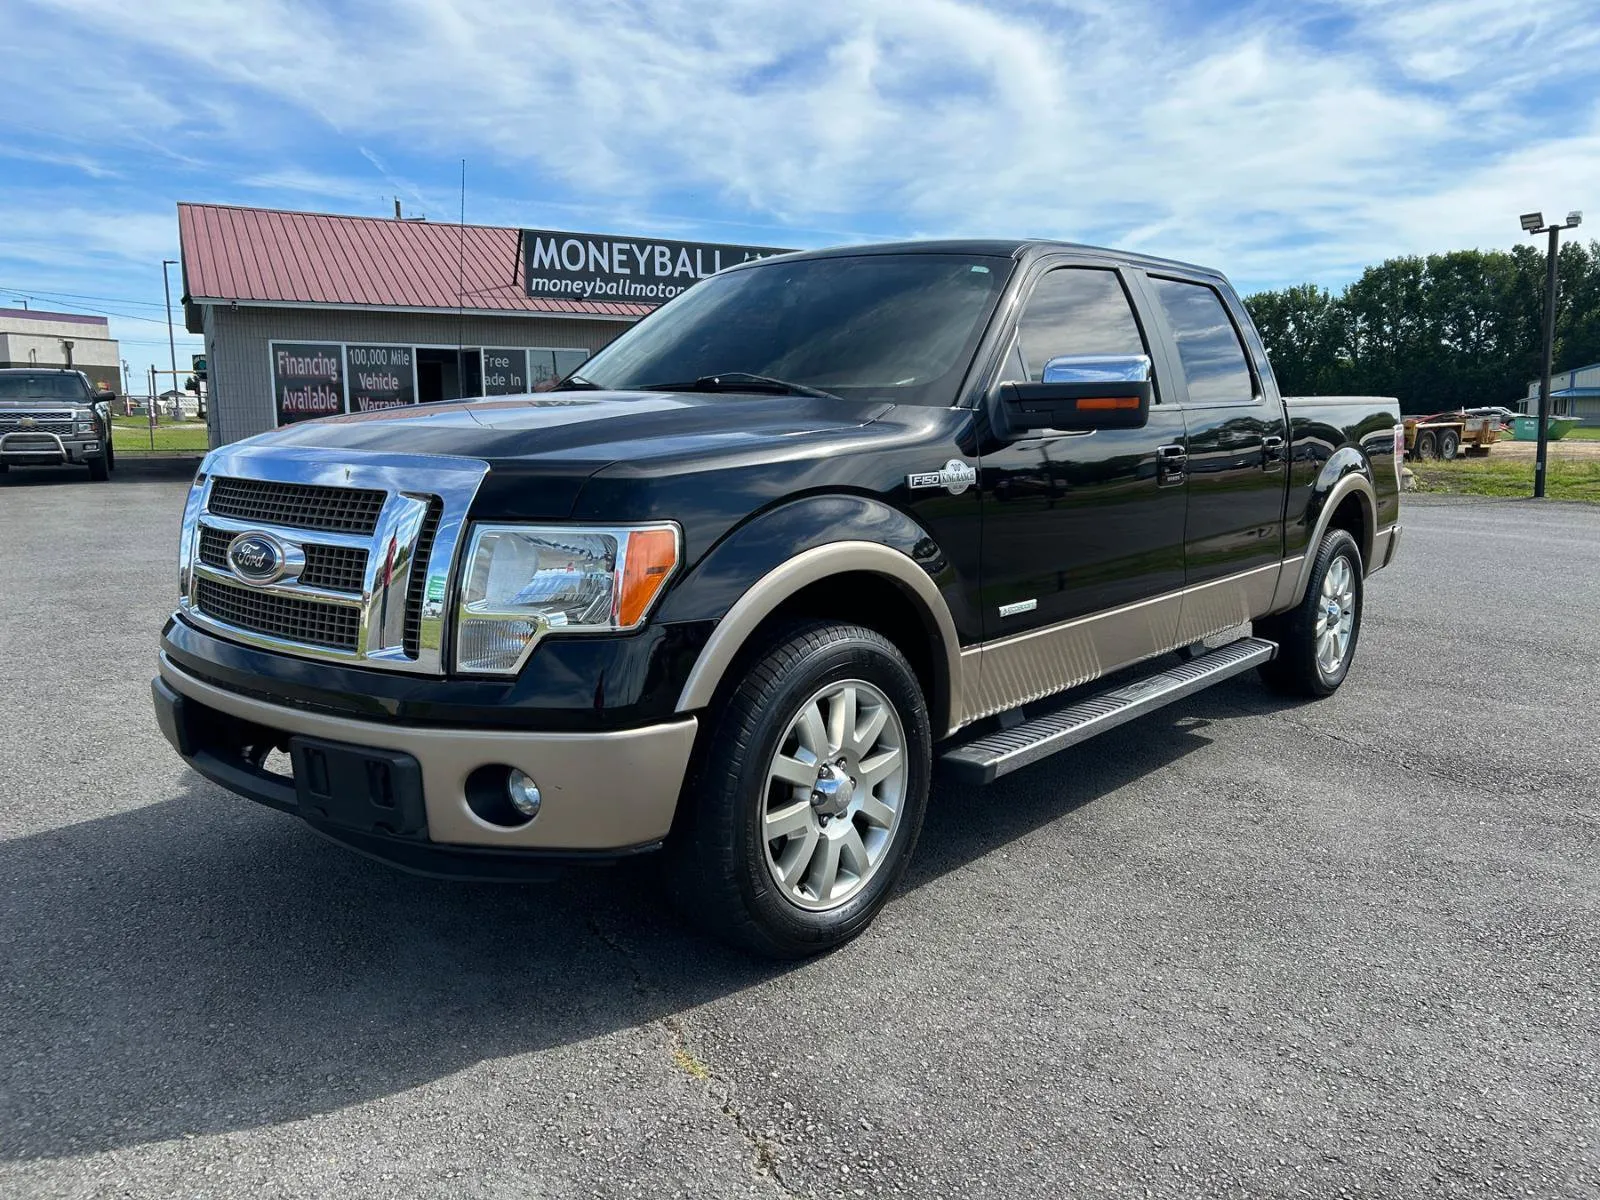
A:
x: 1210, y: 354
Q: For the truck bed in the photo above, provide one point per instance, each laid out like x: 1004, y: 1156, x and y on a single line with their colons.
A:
x: 1328, y: 434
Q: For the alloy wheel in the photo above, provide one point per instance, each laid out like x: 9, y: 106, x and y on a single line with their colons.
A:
x: 834, y: 795
x: 1336, y: 615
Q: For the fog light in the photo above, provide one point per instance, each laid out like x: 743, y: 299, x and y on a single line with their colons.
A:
x: 524, y: 793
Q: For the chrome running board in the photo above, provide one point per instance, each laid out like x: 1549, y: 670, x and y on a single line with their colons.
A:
x: 986, y: 758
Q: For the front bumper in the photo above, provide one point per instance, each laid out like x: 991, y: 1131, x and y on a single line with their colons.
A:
x: 36, y: 448
x: 605, y: 794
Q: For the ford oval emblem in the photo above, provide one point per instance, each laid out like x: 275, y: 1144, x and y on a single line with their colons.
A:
x: 256, y: 557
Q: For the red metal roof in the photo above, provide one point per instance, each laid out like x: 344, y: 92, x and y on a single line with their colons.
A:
x: 269, y: 255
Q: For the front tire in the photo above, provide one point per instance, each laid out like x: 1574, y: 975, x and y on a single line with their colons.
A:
x: 100, y: 469
x: 807, y: 796
x: 1317, y: 638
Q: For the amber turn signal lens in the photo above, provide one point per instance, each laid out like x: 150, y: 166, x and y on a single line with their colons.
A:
x: 1103, y: 403
x: 652, y: 553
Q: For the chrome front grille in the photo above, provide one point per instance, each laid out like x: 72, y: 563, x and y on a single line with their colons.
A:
x: 298, y: 505
x: 336, y: 568
x: 335, y: 626
x: 362, y: 551
x: 214, y: 547
x: 430, y: 531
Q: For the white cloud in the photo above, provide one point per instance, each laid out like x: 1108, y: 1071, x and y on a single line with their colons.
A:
x: 1279, y: 144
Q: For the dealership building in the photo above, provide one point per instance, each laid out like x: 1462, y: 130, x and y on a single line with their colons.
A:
x: 309, y: 315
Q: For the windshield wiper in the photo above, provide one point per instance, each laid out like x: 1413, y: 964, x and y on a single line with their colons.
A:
x: 575, y: 383
x: 742, y: 381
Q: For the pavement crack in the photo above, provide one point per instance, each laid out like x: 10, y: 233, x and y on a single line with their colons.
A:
x: 720, y: 1090
x: 641, y: 986
x: 764, y: 1151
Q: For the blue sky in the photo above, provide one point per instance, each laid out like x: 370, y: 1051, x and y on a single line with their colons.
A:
x: 1280, y: 142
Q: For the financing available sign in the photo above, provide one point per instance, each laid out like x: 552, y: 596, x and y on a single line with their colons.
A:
x: 307, y: 380
x: 590, y: 266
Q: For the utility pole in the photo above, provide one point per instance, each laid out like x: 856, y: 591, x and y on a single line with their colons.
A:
x: 1534, y: 223
x: 172, y: 348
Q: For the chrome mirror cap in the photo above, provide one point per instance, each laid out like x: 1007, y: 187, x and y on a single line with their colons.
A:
x: 1097, y: 368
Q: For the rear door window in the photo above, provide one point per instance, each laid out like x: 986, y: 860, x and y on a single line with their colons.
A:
x: 1209, y: 350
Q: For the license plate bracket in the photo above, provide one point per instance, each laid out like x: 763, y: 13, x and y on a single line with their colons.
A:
x: 357, y: 787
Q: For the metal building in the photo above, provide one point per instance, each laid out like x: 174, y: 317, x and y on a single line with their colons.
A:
x: 311, y: 315
x: 32, y: 338
x: 1572, y: 394
x: 307, y: 315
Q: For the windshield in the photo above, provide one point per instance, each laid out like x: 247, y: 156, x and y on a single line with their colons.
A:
x: 897, y: 327
x: 27, y: 386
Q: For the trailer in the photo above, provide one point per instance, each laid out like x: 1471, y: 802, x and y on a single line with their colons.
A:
x: 1447, y: 435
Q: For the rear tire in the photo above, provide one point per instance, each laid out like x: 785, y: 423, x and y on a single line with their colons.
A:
x: 1315, y: 646
x: 756, y: 857
x: 1427, y: 445
x: 1449, y: 443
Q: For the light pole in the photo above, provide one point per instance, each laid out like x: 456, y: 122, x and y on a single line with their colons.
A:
x: 1534, y: 223
x: 172, y: 348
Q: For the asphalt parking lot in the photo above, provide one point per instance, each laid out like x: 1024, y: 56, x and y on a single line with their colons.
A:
x: 1239, y: 948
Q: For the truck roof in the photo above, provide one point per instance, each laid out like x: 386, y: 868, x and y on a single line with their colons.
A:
x: 1005, y: 248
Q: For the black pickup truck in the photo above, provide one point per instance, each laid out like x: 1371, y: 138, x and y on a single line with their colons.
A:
x: 51, y: 417
x: 733, y: 591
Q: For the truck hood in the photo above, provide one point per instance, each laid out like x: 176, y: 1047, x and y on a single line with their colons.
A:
x: 41, y: 404
x: 591, y: 429
x: 542, y: 448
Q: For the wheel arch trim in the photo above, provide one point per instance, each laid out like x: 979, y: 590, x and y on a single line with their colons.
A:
x: 1292, y: 587
x: 764, y: 596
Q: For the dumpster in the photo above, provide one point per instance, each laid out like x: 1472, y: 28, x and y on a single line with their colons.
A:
x: 1526, y: 429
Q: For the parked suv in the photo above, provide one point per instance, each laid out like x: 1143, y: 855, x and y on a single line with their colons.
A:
x: 819, y: 525
x: 50, y: 417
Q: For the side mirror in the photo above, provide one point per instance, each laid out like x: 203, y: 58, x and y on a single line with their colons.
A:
x: 1081, y: 393
x: 105, y: 396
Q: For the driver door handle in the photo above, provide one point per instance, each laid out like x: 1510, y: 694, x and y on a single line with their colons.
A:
x: 1271, y: 451
x: 1171, y: 465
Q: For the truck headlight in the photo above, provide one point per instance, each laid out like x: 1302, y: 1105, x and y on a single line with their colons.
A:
x: 523, y: 582
x: 84, y: 425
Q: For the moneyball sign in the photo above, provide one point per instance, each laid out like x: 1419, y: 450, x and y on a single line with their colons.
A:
x: 590, y: 266
x: 307, y: 380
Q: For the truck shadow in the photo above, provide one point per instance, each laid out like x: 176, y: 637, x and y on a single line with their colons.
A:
x: 199, y: 965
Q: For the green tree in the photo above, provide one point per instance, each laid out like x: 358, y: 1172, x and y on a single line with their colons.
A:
x: 1304, y: 330
x: 1447, y: 331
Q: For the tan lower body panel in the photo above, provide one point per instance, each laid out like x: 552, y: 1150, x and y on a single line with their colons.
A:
x: 1384, y: 544
x: 601, y: 791
x: 1005, y: 674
